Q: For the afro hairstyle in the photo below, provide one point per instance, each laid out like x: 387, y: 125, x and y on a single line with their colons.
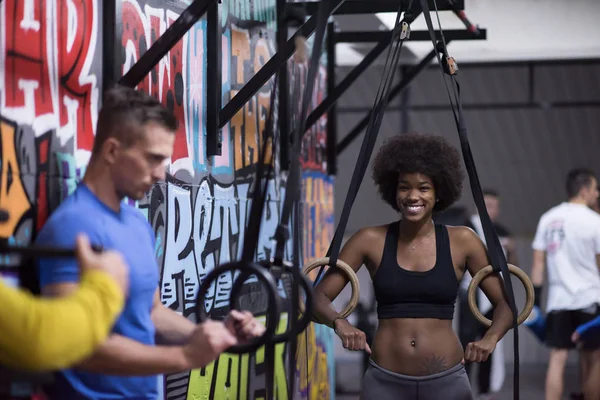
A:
x: 419, y: 153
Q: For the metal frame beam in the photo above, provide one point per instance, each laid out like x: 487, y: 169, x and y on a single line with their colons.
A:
x: 538, y: 105
x: 395, y: 91
x: 165, y: 42
x: 214, y: 81
x: 381, y: 6
x: 110, y: 62
x: 337, y: 91
x: 334, y: 95
x: 269, y: 68
x: 378, y: 36
x: 332, y: 113
x: 218, y: 117
x: 283, y: 90
x: 526, y: 63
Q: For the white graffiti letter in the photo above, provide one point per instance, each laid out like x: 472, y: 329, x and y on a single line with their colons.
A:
x: 29, y: 21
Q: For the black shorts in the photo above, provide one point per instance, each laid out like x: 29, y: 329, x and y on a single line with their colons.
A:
x: 560, y: 325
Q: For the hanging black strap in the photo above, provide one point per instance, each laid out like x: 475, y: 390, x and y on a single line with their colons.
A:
x: 294, y: 181
x: 400, y: 33
x: 495, y: 252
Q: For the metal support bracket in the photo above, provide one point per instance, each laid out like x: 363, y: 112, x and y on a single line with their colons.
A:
x: 110, y: 62
x: 332, y: 113
x: 283, y: 90
x: 378, y: 36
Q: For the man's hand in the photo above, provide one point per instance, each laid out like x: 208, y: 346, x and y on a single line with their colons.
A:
x: 207, y: 342
x: 479, y: 351
x: 243, y: 325
x: 575, y: 337
x: 110, y: 262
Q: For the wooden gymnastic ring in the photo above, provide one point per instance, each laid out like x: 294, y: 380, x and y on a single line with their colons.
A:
x: 346, y: 269
x: 481, y: 275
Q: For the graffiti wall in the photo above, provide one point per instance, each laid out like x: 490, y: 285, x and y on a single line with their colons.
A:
x: 50, y: 84
x: 50, y: 75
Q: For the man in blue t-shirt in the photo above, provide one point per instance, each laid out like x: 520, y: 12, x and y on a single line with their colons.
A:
x: 134, y: 139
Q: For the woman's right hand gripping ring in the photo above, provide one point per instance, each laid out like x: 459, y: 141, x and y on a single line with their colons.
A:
x: 346, y: 269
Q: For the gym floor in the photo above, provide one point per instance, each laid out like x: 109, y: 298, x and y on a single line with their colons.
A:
x: 531, y: 383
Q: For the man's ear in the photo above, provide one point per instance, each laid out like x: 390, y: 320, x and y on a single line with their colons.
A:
x: 110, y: 150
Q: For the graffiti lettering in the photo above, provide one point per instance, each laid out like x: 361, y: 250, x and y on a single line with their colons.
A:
x: 318, y: 214
x: 50, y: 84
x: 221, y: 378
x: 12, y: 193
x: 27, y: 79
x: 50, y: 72
x: 165, y: 82
x: 77, y: 91
x: 314, y: 154
x: 194, y: 105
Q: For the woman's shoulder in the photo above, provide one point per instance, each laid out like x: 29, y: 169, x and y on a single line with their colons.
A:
x: 462, y: 235
x: 370, y: 234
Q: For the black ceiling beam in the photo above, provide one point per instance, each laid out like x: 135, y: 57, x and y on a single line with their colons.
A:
x: 380, y: 6
x: 378, y: 36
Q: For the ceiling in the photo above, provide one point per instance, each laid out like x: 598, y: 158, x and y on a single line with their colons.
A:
x: 517, y: 30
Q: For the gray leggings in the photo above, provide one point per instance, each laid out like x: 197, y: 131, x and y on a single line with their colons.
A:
x: 382, y: 384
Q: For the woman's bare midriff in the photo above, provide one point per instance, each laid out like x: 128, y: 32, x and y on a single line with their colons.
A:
x: 436, y: 346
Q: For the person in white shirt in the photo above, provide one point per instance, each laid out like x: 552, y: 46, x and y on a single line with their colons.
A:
x: 491, y: 373
x: 567, y: 244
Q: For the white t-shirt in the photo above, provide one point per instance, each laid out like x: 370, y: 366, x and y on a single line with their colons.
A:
x: 570, y: 235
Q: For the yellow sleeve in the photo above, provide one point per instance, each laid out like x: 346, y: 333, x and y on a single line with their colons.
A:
x: 48, y: 334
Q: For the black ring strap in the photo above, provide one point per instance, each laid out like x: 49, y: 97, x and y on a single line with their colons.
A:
x: 495, y: 253
x: 400, y: 33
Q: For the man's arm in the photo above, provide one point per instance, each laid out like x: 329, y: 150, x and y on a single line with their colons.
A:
x: 123, y: 356
x: 33, y: 330
x: 119, y: 355
x: 171, y: 328
x: 538, y: 268
x: 537, y: 274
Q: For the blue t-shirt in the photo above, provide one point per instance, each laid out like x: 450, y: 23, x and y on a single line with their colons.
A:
x: 129, y: 233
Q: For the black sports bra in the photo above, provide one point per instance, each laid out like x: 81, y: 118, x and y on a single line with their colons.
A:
x: 401, y: 293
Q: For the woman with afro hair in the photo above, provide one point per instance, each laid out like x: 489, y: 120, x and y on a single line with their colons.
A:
x: 416, y: 266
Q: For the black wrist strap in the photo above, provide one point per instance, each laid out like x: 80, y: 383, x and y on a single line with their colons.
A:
x: 537, y: 291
